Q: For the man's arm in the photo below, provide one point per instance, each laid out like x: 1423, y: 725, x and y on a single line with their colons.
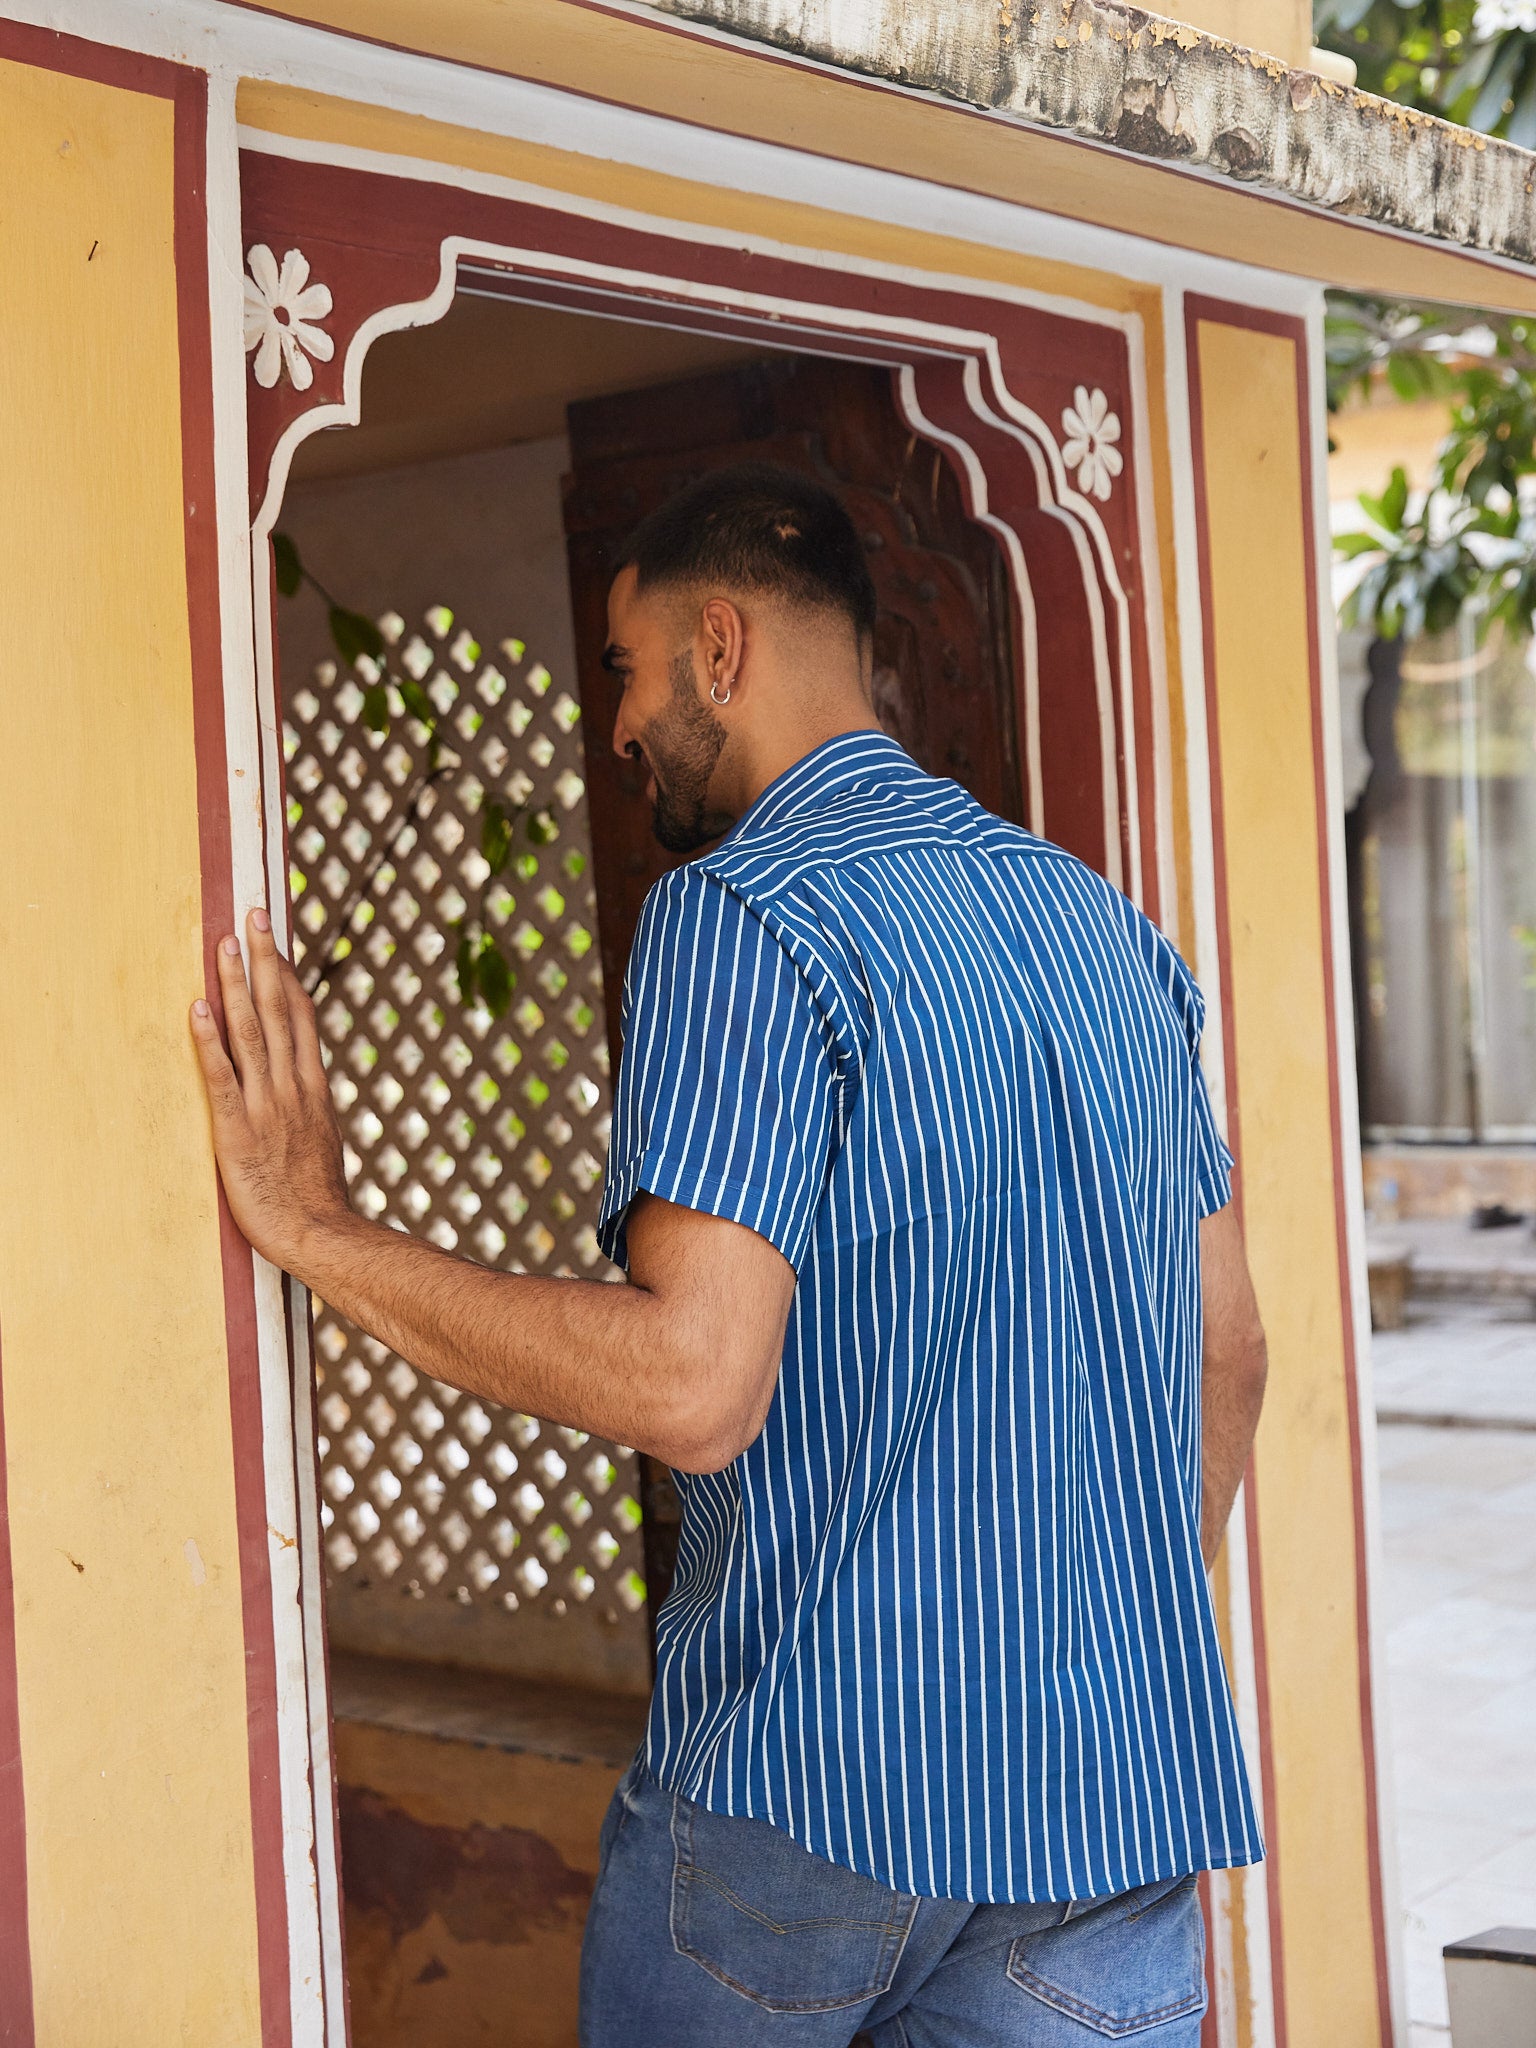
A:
x: 682, y: 1362
x: 1236, y: 1363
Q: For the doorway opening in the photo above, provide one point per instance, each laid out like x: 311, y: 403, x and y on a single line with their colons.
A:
x: 490, y: 1579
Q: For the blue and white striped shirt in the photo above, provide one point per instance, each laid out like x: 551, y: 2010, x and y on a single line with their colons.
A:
x: 945, y: 1622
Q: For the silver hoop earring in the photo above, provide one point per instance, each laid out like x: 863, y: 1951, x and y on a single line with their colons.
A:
x: 714, y: 693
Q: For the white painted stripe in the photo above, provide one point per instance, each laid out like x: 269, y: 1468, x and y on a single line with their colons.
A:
x: 314, y: 1932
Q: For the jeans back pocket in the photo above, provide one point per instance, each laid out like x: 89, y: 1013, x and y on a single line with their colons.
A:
x: 1120, y: 1966
x: 779, y: 1925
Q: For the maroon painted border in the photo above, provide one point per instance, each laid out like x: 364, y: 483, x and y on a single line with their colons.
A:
x: 187, y: 90
x: 213, y: 818
x: 376, y: 240
x: 1291, y: 328
x: 1234, y: 1125
x: 1340, y: 1198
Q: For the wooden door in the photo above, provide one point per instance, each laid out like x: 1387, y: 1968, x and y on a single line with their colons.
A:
x: 944, y: 658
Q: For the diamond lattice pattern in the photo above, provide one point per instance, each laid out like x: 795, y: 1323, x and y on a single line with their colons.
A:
x: 485, y: 1135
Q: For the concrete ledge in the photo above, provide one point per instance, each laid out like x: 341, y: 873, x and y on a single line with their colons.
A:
x: 1155, y: 88
x: 486, y: 1710
x: 1490, y: 1982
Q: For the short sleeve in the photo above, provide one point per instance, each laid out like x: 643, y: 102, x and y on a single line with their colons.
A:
x: 727, y: 1084
x: 1212, y: 1161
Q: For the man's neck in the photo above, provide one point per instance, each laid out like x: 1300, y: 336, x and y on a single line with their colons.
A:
x: 782, y: 751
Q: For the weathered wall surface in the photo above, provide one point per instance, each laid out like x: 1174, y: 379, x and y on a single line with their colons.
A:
x: 1161, y: 89
x: 468, y: 1872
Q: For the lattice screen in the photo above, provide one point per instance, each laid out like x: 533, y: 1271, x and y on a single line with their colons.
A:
x: 484, y: 1135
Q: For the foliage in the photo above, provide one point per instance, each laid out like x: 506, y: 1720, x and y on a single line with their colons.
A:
x: 1472, y: 540
x: 485, y: 974
x: 1470, y: 61
x: 1422, y: 574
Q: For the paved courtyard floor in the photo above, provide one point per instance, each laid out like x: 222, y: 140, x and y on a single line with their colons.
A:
x: 1458, y: 1501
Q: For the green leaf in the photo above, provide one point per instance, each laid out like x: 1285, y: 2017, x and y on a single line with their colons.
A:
x: 464, y: 967
x: 1394, y: 501
x: 287, y: 569
x: 542, y: 829
x: 1521, y: 125
x: 495, y: 837
x: 1488, y: 108
x: 496, y: 978
x: 1348, y: 545
x: 376, y: 708
x: 417, y: 702
x: 353, y: 634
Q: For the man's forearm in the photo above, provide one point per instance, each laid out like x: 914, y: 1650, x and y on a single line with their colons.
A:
x: 1234, y: 1367
x: 1232, y: 1403
x: 586, y: 1353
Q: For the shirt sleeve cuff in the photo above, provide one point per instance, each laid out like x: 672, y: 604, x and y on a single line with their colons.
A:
x: 1213, y: 1183
x: 657, y: 1172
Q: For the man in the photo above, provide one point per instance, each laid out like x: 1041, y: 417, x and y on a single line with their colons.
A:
x: 921, y: 1203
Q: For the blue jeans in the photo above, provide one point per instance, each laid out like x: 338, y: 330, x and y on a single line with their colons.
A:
x: 706, y: 1932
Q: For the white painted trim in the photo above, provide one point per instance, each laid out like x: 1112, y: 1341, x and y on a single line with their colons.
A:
x: 272, y: 49
x: 312, y: 1897
x: 976, y: 478
x: 1250, y: 1884
x: 1018, y: 421
x: 1058, y: 498
x: 1150, y: 557
x: 1357, y: 1302
x: 1203, y: 945
x: 318, y: 1700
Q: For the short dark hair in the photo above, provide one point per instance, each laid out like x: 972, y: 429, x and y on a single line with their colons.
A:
x: 761, y: 528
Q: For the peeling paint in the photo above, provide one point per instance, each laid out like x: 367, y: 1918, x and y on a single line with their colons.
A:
x: 1157, y: 88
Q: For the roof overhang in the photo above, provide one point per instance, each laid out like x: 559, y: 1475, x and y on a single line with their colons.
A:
x: 1152, y: 88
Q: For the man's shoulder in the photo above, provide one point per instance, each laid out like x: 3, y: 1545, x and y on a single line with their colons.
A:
x: 702, y: 902
x: 853, y: 828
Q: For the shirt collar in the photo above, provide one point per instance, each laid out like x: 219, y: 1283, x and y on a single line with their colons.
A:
x: 852, y: 760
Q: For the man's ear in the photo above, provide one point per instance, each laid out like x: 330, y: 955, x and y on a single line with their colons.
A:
x: 723, y: 638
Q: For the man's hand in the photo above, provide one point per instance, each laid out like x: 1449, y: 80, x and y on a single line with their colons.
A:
x: 682, y: 1362
x: 274, y: 1129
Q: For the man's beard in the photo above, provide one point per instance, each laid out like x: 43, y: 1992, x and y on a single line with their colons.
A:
x: 682, y: 746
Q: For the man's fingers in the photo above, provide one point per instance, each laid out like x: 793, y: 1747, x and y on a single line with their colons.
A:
x: 224, y: 1096
x: 304, y: 1030
x: 247, y: 1040
x: 268, y: 994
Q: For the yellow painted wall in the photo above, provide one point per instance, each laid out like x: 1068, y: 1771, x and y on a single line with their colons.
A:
x: 129, y: 1643
x: 1261, y: 587
x: 1371, y: 440
x: 1281, y: 28
x: 130, y: 1650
